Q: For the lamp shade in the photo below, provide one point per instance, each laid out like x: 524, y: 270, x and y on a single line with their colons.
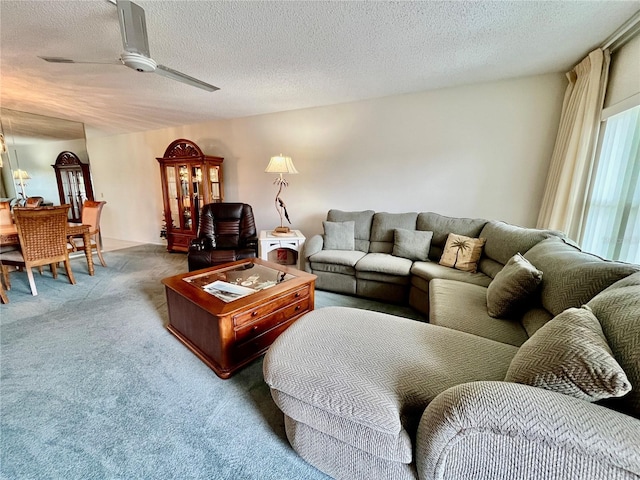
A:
x: 280, y: 164
x: 21, y: 175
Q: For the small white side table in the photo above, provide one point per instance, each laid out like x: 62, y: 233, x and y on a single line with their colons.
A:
x: 283, y: 248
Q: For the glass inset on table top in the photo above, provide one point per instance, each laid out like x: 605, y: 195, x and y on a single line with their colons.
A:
x: 235, y: 282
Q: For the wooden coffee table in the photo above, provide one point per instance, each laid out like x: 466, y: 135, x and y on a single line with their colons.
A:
x: 230, y: 314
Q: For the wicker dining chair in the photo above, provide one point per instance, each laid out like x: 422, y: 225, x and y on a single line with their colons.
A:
x: 42, y: 232
x: 91, y: 212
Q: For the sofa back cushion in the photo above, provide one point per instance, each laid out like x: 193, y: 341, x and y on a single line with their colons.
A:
x: 442, y: 226
x: 362, y: 225
x: 618, y: 310
x: 503, y: 241
x: 570, y: 277
x: 383, y: 229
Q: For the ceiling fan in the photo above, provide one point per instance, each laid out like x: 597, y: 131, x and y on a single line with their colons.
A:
x: 133, y: 28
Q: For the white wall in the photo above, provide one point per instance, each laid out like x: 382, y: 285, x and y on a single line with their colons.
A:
x: 478, y: 151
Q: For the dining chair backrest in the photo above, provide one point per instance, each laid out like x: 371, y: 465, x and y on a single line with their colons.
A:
x: 5, y: 214
x: 33, y: 202
x: 91, y: 212
x: 42, y: 232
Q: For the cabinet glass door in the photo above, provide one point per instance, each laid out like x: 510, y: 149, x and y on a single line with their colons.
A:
x: 196, y: 182
x: 214, y: 184
x: 73, y: 191
x: 172, y: 190
x: 186, y: 217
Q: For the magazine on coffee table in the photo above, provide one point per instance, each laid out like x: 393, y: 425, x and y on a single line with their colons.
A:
x: 226, y: 291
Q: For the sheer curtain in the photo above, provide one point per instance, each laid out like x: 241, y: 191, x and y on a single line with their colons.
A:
x: 612, y: 226
x: 564, y: 201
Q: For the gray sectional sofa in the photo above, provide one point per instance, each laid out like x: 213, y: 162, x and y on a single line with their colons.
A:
x: 551, y: 390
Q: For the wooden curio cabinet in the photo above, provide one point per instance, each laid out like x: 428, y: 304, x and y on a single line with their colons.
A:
x: 190, y: 179
x: 74, y: 183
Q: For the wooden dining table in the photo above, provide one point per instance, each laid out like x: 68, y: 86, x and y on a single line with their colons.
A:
x: 9, y: 236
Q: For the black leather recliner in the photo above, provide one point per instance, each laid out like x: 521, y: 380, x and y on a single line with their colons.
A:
x: 226, y: 233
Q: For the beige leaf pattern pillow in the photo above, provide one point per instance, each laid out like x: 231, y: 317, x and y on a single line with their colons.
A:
x: 462, y: 253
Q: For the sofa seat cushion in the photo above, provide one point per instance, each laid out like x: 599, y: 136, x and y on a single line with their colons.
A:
x: 384, y: 263
x: 336, y: 261
x: 430, y: 270
x: 370, y: 373
x: 463, y: 306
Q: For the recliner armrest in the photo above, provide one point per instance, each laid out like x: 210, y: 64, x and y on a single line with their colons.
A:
x: 252, y: 242
x: 201, y: 243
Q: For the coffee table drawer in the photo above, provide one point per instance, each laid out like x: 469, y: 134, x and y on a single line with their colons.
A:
x: 270, y: 307
x: 255, y: 346
x: 265, y: 323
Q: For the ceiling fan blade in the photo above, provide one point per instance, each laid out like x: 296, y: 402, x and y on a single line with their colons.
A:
x: 181, y: 77
x: 133, y: 28
x: 69, y: 60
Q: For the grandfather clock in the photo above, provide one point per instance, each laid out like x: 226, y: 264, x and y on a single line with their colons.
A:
x: 74, y: 183
x: 190, y: 179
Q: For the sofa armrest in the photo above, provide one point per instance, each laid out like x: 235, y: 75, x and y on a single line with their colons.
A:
x: 312, y: 246
x: 498, y: 430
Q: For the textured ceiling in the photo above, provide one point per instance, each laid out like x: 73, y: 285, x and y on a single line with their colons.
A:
x: 275, y: 56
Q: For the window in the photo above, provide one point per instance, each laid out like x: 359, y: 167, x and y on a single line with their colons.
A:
x: 612, y: 225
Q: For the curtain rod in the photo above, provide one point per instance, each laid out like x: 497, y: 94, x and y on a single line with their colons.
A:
x: 623, y: 34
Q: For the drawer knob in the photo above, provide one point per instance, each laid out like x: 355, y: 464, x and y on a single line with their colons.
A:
x: 297, y: 294
x: 255, y: 327
x: 254, y: 313
x: 297, y: 307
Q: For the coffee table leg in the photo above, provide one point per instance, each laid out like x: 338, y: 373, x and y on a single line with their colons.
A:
x: 86, y: 236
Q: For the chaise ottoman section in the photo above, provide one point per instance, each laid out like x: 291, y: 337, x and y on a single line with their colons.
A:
x: 355, y: 383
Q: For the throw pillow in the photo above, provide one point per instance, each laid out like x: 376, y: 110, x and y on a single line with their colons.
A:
x: 462, y: 253
x: 512, y: 286
x: 570, y: 355
x: 411, y: 244
x: 339, y: 235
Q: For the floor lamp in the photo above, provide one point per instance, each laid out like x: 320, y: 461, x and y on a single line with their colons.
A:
x: 280, y: 165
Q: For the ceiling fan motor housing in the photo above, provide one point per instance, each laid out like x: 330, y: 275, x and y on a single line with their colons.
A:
x: 138, y: 62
